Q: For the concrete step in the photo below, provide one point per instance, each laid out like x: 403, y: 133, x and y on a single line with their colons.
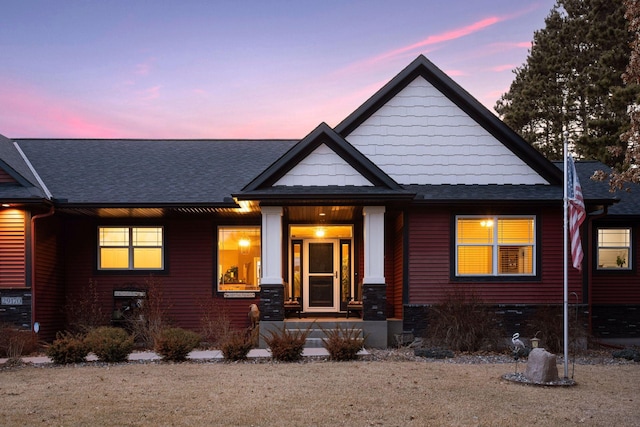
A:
x: 317, y: 334
x: 321, y: 333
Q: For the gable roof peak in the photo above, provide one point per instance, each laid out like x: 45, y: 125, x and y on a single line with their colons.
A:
x: 322, y: 134
x: 422, y: 67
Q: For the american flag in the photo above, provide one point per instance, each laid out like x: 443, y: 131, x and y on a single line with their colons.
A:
x: 577, y: 213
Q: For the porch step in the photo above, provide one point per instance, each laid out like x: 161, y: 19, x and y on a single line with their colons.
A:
x: 317, y: 333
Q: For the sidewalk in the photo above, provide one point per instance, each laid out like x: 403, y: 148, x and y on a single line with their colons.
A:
x: 194, y: 355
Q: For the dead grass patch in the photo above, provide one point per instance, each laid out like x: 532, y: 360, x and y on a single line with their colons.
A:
x: 361, y: 393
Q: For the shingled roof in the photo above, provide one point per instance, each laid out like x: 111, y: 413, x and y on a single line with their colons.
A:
x: 628, y: 201
x: 149, y: 172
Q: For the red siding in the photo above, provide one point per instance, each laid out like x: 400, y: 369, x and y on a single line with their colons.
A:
x: 48, y: 281
x: 12, y: 249
x: 429, y: 262
x: 394, y: 264
x: 389, y: 263
x: 186, y: 285
x: 5, y: 178
x: 617, y: 287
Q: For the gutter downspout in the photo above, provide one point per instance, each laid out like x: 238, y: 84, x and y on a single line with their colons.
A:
x: 49, y: 197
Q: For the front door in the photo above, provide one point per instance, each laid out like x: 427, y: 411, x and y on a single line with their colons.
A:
x: 321, y: 283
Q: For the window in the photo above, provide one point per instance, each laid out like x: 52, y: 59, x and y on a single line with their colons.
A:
x: 130, y: 248
x: 495, y: 246
x: 614, y: 248
x: 238, y: 259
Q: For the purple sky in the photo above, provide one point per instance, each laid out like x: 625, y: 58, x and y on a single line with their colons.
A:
x: 238, y: 69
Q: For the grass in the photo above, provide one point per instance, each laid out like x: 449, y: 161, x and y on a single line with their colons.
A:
x: 362, y: 393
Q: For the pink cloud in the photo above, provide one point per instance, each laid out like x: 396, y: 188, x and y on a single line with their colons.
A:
x: 144, y: 68
x: 149, y: 93
x: 511, y: 45
x: 504, y: 67
x: 455, y: 73
x: 429, y: 41
x: 30, y: 113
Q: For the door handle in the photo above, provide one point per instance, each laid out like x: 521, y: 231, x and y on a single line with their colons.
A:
x: 336, y: 274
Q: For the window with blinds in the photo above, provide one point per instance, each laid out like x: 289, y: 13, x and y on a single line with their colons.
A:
x: 496, y: 245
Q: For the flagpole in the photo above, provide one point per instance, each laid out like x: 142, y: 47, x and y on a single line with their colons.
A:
x: 565, y: 312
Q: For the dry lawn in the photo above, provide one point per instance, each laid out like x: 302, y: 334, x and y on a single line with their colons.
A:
x: 363, y: 393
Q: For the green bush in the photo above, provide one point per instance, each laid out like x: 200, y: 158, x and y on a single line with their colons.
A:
x: 236, y: 346
x: 110, y: 344
x: 175, y: 344
x: 287, y: 345
x: 343, y: 344
x: 16, y: 342
x: 67, y: 348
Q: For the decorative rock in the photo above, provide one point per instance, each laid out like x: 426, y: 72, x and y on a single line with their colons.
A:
x: 541, y: 366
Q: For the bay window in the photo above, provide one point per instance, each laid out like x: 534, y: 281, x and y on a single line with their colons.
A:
x: 238, y: 259
x: 495, y: 245
x: 614, y: 249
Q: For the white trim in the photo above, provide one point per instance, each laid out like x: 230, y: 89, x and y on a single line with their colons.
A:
x: 271, y: 245
x: 33, y: 171
x: 373, y: 244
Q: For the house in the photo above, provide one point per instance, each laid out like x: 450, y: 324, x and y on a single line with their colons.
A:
x: 419, y: 191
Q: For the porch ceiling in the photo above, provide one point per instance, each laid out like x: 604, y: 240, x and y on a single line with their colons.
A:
x: 332, y: 214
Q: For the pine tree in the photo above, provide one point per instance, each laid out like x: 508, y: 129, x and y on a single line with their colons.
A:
x: 629, y: 170
x: 572, y: 81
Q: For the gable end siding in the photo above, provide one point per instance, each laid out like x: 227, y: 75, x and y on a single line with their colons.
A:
x: 323, y: 167
x: 422, y: 137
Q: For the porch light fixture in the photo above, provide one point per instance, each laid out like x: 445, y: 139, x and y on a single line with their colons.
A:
x: 486, y: 223
x: 320, y: 232
x: 6, y: 205
x: 244, y: 244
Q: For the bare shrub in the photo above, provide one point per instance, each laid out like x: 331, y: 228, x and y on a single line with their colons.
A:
x: 548, y: 324
x: 236, y: 346
x: 343, y: 344
x: 215, y: 323
x: 16, y: 342
x: 84, y: 310
x: 287, y: 345
x: 462, y: 322
x: 151, y: 317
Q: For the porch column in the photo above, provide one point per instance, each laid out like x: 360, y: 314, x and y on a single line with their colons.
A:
x: 271, y: 288
x: 374, y: 288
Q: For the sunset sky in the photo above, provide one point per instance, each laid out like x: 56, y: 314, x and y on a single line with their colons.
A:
x: 238, y: 69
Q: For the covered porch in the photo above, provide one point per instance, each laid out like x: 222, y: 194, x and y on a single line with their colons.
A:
x: 323, y: 268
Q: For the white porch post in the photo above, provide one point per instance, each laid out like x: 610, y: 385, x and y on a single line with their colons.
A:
x: 271, y: 245
x: 373, y: 245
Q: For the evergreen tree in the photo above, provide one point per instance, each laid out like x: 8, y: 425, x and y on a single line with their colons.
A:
x: 572, y: 80
x: 629, y: 171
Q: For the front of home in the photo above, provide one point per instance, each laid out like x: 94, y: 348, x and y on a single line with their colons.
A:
x: 419, y: 192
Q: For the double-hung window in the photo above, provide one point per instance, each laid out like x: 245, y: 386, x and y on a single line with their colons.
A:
x: 495, y: 246
x: 614, y: 248
x: 130, y: 248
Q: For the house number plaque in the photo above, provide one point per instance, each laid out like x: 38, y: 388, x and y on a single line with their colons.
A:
x: 11, y: 301
x: 239, y: 294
